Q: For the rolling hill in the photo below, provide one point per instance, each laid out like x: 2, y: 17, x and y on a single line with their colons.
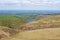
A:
x: 47, y: 28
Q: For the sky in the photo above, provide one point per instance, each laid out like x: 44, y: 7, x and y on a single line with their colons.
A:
x: 29, y: 4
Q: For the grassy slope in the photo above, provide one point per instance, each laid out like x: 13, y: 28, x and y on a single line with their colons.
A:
x: 52, y: 21
x: 42, y: 34
x: 11, y: 21
x: 11, y: 18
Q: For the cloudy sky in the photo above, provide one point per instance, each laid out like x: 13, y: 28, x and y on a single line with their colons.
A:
x: 29, y: 4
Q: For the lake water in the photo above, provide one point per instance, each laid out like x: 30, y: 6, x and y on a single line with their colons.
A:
x: 30, y: 20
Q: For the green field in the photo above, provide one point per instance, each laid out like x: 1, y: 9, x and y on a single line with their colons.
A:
x: 11, y: 21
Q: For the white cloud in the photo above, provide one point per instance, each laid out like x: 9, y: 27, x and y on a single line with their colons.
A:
x: 9, y: 4
x: 9, y: 1
x: 29, y: 3
x: 25, y: 2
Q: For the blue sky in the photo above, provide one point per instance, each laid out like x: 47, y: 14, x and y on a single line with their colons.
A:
x: 29, y: 4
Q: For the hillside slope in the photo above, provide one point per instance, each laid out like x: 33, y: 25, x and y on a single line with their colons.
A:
x: 6, y: 32
x: 48, y: 26
x: 51, y: 21
x: 41, y: 34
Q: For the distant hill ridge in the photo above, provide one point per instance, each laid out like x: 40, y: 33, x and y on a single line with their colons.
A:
x: 29, y: 11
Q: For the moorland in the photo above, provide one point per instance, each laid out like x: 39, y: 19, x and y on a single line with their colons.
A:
x: 22, y: 27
